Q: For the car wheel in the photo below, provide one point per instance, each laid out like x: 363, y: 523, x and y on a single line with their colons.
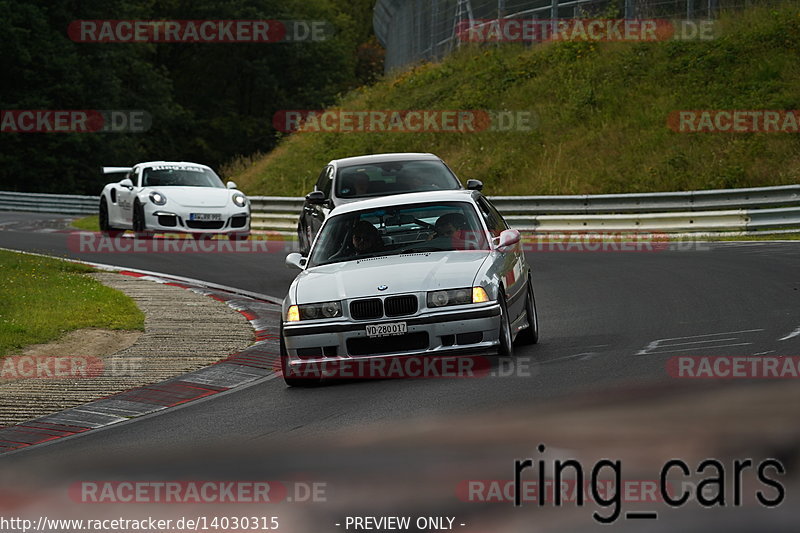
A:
x: 506, y: 348
x: 105, y: 227
x: 530, y: 335
x: 293, y: 381
x: 139, y: 225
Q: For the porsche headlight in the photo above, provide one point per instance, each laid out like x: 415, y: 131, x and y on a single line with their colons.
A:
x: 466, y: 295
x: 158, y: 198
x: 319, y: 310
x: 239, y: 200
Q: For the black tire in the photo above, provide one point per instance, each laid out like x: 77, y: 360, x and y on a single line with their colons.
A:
x: 506, y: 347
x: 530, y: 335
x: 303, y: 237
x: 105, y: 226
x: 139, y: 224
x: 293, y: 381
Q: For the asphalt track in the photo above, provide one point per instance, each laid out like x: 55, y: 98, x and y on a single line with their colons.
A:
x: 609, y: 322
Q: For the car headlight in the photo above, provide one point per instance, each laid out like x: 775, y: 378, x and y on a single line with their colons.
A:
x: 239, y: 200
x: 158, y: 198
x: 314, y: 311
x: 467, y: 295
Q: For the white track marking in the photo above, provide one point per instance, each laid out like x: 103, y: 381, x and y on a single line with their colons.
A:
x: 795, y: 333
x: 660, y: 343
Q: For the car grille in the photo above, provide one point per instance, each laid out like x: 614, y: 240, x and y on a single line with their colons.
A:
x: 238, y: 221
x: 168, y: 220
x: 205, y: 224
x: 400, y: 305
x: 364, y: 309
x: 375, y: 308
x: 384, y: 345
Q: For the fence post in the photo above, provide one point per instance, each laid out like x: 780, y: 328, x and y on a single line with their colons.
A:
x: 629, y: 9
x: 690, y: 9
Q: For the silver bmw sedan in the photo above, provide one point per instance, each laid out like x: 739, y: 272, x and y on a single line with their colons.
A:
x: 424, y: 274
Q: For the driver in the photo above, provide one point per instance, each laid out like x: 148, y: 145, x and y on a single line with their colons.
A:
x: 447, y: 225
x: 366, y: 238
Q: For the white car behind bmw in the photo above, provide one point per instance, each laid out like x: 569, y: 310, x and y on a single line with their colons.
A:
x: 165, y: 196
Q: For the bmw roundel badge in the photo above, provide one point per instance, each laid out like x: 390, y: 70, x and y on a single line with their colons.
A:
x: 382, y: 287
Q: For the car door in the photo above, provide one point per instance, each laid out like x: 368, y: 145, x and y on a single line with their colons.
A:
x: 126, y: 196
x: 510, y: 266
x: 314, y: 213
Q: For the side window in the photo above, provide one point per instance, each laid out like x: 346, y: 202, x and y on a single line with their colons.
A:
x: 325, y: 181
x: 494, y: 221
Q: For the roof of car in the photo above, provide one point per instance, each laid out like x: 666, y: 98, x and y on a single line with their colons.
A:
x: 459, y: 195
x: 379, y: 158
x: 157, y: 163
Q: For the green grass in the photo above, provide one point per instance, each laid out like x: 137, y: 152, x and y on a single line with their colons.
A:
x: 43, y: 298
x: 602, y: 111
x: 90, y: 223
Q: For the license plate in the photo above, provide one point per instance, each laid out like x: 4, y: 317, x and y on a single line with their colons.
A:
x: 386, y: 330
x: 205, y: 216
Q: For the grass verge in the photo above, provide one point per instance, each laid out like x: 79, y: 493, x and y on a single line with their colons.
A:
x: 602, y: 115
x: 43, y: 298
x: 90, y: 223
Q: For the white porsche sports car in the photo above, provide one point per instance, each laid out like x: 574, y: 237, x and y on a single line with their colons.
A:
x: 167, y: 196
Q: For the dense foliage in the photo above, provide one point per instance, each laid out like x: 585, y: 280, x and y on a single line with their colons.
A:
x: 208, y: 102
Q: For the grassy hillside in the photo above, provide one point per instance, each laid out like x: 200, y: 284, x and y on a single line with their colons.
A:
x: 602, y: 111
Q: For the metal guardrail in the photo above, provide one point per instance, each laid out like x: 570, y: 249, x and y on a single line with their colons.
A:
x: 722, y: 210
x: 63, y: 204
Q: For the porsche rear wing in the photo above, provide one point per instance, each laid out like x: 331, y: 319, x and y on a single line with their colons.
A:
x: 116, y: 170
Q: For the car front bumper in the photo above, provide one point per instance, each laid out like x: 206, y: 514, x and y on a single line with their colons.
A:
x: 166, y: 219
x: 439, y: 332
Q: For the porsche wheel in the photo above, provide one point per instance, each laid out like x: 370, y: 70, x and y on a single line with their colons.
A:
x: 105, y: 226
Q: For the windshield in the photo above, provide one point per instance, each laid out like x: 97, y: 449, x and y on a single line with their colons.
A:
x: 430, y: 227
x: 180, y: 176
x: 394, y: 177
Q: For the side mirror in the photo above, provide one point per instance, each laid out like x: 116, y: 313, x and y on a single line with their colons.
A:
x: 507, y: 239
x: 315, y: 197
x: 127, y: 183
x: 231, y: 185
x: 475, y: 185
x: 296, y: 260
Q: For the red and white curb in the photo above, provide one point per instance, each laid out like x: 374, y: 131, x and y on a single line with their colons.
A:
x: 256, y: 362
